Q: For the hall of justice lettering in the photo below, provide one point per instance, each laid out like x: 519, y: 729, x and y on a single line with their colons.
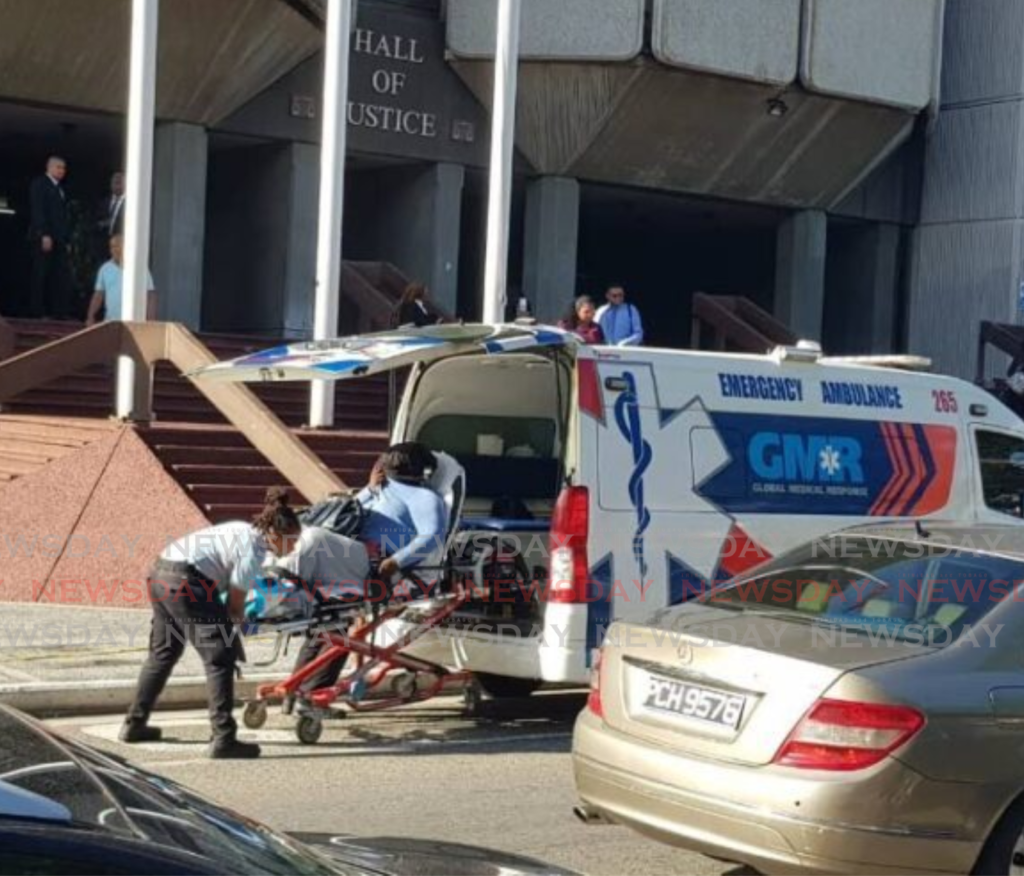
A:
x: 390, y: 83
x: 380, y: 45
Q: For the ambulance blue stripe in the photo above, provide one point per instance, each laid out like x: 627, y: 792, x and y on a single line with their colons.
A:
x: 599, y: 606
x: 929, y: 467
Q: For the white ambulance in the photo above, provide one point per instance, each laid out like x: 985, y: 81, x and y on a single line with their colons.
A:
x: 653, y: 474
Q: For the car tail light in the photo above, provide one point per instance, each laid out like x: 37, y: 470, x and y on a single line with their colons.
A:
x: 841, y: 736
x: 570, y: 529
x: 594, y: 696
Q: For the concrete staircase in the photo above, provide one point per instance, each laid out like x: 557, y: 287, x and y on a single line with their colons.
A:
x: 222, y: 473
x: 360, y: 404
x: 227, y: 478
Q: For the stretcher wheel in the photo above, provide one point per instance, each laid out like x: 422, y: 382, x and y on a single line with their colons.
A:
x: 403, y: 685
x: 309, y: 729
x: 255, y: 714
x: 472, y: 699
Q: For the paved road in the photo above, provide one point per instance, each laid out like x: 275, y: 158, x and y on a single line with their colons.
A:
x: 501, y: 780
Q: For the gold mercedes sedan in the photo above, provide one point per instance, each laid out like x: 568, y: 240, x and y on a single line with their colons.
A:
x: 857, y: 706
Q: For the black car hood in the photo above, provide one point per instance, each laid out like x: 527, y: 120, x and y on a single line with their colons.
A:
x: 407, y: 857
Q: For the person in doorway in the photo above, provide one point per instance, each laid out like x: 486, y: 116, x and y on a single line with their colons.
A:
x: 620, y: 320
x: 197, y: 591
x: 414, y: 308
x: 582, y: 321
x: 112, y: 216
x: 106, y: 296
x: 111, y: 212
x: 50, y: 239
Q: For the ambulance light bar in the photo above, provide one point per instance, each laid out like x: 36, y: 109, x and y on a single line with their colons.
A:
x: 804, y: 351
x: 903, y: 363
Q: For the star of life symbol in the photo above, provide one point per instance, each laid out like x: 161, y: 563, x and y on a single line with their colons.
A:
x: 686, y: 452
x: 831, y: 464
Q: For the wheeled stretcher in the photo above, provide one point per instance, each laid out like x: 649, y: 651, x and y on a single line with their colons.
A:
x: 353, y: 626
x: 347, y: 629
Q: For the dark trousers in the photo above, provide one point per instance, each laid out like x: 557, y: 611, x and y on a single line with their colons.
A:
x: 51, y: 283
x: 326, y: 677
x: 187, y: 610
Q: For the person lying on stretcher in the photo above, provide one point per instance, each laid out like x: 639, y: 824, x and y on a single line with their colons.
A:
x: 405, y: 522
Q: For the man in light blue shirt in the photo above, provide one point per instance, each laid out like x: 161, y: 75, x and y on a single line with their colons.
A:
x: 405, y: 519
x: 107, y: 292
x: 620, y: 320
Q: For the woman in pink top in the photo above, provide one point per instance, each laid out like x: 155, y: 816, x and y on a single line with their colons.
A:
x: 581, y: 321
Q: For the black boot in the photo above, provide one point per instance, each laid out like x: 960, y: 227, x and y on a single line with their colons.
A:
x: 233, y: 749
x: 132, y: 732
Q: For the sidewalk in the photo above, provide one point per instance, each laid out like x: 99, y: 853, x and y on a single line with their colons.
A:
x: 63, y: 659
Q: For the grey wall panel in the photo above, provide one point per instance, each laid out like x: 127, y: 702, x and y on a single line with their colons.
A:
x: 983, y: 56
x: 974, y: 166
x: 752, y: 39
x: 887, y: 194
x: 885, y: 51
x: 590, y: 30
x: 962, y: 274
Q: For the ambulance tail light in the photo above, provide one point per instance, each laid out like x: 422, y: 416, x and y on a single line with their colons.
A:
x: 570, y: 530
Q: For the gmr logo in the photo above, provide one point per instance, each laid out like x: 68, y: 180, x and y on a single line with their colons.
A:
x: 806, y: 459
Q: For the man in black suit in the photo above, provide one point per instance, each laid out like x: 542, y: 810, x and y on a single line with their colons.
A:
x: 50, y: 238
x: 112, y: 211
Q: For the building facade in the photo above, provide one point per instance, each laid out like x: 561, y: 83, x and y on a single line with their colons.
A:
x: 852, y: 166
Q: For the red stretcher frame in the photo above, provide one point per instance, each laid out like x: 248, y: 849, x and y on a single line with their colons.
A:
x: 377, y: 662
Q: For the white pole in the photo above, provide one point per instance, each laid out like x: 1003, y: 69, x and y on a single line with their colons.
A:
x: 506, y: 61
x: 139, y: 181
x: 332, y: 197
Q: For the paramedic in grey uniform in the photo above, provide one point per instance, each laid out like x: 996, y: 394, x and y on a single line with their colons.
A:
x: 197, y: 590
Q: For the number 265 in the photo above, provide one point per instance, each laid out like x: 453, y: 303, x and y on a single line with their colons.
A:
x: 945, y: 401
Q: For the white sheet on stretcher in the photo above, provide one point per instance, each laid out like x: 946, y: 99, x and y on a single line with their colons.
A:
x: 336, y: 567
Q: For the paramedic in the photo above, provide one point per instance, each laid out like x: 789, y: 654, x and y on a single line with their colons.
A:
x: 197, y: 590
x: 405, y: 518
x: 400, y: 510
x: 620, y: 320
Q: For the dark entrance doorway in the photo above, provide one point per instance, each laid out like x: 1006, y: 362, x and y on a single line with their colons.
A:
x: 92, y: 147
x: 664, y: 248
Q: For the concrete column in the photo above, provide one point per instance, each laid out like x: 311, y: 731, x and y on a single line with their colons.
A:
x: 800, y: 273
x: 861, y: 289
x: 300, y: 239
x: 417, y: 226
x: 882, y: 267
x: 179, y: 221
x: 552, y: 239
x: 446, y: 182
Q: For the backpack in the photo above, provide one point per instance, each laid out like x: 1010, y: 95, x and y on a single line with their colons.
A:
x: 342, y: 515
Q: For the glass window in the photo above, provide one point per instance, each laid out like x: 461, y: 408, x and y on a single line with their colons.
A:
x: 171, y: 816
x: 1001, y: 459
x: 33, y: 762
x: 514, y: 437
x: 886, y: 585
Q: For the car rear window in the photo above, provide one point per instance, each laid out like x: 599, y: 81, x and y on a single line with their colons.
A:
x: 936, y: 593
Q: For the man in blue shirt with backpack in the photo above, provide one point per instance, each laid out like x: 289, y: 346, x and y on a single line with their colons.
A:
x: 620, y: 320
